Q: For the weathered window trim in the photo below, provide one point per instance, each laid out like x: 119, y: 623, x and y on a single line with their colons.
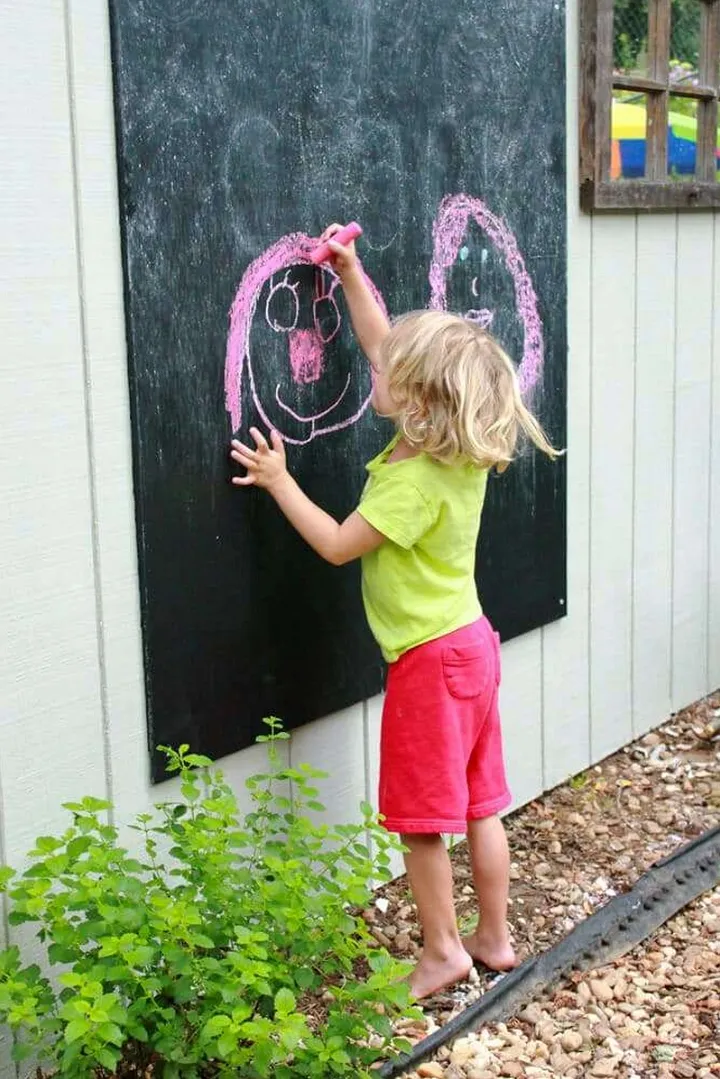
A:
x: 598, y: 192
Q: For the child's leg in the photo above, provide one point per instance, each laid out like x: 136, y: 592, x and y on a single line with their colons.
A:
x: 490, y: 859
x: 489, y: 856
x: 437, y: 701
x: 444, y: 960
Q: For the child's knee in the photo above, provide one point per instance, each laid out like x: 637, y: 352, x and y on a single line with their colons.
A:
x: 418, y: 841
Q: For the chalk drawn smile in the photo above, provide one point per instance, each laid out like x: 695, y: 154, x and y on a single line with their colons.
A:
x: 318, y: 415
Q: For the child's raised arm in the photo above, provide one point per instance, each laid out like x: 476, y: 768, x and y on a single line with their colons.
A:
x: 368, y: 319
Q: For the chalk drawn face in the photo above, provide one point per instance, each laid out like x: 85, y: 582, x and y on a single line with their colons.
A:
x: 477, y: 271
x: 285, y: 306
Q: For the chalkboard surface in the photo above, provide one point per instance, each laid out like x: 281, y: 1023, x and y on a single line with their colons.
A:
x: 244, y: 128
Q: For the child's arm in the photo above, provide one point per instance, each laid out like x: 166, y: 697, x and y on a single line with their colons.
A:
x: 369, y: 322
x: 266, y: 467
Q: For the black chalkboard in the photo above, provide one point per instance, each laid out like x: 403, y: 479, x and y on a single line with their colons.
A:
x: 242, y: 129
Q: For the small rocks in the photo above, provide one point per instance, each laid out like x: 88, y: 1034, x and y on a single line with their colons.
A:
x: 532, y: 1014
x: 431, y: 1070
x: 380, y: 937
x: 605, y: 1067
x: 560, y: 1062
x: 463, y: 1051
x: 546, y: 1031
x: 403, y: 942
x: 601, y: 990
x: 571, y: 1041
x: 512, y: 1068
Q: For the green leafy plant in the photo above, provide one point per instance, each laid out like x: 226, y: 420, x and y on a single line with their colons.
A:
x: 228, y: 947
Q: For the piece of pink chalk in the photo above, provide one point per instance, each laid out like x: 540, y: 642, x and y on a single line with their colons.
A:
x: 345, y: 236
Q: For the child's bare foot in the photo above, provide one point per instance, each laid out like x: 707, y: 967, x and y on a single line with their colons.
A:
x: 435, y: 973
x: 494, y: 954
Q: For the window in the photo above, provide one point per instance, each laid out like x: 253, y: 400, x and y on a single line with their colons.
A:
x: 649, y: 72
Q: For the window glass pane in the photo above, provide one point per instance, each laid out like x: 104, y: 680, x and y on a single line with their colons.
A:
x: 629, y: 135
x: 685, y: 30
x: 630, y: 37
x: 682, y: 138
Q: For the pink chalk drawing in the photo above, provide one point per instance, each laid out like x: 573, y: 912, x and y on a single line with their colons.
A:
x: 306, y: 346
x: 450, y: 227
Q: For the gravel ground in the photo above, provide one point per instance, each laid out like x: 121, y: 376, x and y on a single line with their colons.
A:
x: 655, y: 1012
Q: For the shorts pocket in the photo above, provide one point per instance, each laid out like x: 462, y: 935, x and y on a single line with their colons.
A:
x: 466, y: 671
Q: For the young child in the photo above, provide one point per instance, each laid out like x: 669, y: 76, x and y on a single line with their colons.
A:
x: 454, y: 397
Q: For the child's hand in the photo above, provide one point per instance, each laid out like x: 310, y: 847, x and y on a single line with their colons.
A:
x: 344, y: 258
x: 265, y: 465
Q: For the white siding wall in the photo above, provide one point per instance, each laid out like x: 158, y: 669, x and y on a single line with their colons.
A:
x: 643, y: 632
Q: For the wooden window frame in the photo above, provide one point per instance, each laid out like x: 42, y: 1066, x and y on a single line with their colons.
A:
x: 598, y: 192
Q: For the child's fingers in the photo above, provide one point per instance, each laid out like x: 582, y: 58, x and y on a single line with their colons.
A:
x: 246, y: 462
x: 260, y: 440
x: 243, y: 481
x: 277, y: 443
x: 338, y: 249
x: 330, y: 231
x: 238, y: 448
x: 241, y: 447
x: 244, y: 455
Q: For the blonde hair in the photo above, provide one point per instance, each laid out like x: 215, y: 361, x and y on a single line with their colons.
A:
x: 454, y: 390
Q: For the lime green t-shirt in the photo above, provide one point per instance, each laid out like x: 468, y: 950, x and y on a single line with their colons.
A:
x: 419, y: 584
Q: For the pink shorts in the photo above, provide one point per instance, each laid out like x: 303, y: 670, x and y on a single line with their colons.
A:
x: 441, y: 757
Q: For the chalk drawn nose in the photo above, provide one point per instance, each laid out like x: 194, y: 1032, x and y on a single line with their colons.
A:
x: 306, y: 355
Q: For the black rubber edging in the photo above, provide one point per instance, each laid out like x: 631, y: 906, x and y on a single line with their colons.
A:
x: 624, y: 922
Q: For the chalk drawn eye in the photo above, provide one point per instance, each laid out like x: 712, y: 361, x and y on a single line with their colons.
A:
x: 326, y: 318
x: 326, y: 313
x: 282, y: 307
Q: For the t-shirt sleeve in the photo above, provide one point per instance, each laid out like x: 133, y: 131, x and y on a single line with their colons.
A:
x: 398, y: 509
